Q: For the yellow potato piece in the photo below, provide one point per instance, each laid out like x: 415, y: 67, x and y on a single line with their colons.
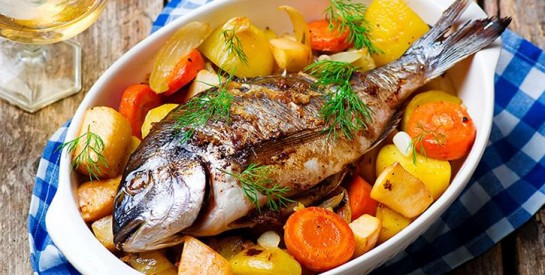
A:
x: 103, y: 231
x: 253, y: 42
x: 426, y: 97
x: 155, y: 115
x: 96, y: 198
x: 152, y: 262
x: 258, y: 260
x: 394, y: 27
x: 198, y: 258
x: 401, y: 191
x: 391, y: 221
x: 435, y: 174
x: 366, y: 230
x: 290, y: 55
x: 114, y: 131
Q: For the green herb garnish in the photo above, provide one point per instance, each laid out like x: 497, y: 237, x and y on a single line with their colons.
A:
x: 255, y: 180
x: 199, y: 110
x: 234, y: 46
x: 343, y: 14
x: 419, y: 140
x: 342, y: 109
x: 91, y: 153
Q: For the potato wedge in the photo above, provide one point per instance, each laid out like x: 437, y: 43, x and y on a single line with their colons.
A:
x: 401, y: 191
x: 240, y: 33
x: 258, y: 260
x: 102, y: 228
x: 366, y: 230
x: 115, y: 133
x: 290, y: 55
x: 152, y: 262
x: 435, y: 174
x: 391, y: 221
x: 394, y: 27
x: 203, y: 81
x: 155, y: 115
x: 96, y: 198
x: 198, y: 258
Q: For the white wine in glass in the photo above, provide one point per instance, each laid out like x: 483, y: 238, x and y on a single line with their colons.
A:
x: 36, y: 68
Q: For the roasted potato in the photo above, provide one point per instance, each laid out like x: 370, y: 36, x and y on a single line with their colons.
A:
x: 113, y: 131
x: 96, y: 198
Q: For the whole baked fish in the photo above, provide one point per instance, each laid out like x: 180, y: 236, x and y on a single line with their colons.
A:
x: 172, y: 187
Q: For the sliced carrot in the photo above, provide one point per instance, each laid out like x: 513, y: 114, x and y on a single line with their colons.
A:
x: 443, y: 129
x: 359, y: 194
x: 136, y: 101
x: 322, y: 38
x: 185, y: 70
x: 318, y: 239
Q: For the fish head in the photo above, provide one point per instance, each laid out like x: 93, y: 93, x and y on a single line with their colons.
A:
x: 157, y: 200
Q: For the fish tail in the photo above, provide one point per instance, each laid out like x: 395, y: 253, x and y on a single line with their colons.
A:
x: 441, y: 49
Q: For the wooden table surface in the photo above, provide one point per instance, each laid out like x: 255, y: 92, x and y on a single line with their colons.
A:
x: 121, y: 26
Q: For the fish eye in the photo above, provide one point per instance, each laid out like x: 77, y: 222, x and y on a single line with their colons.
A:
x: 138, y: 180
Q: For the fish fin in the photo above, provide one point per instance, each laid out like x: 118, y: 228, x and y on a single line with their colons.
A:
x: 390, y: 126
x: 443, y: 25
x: 467, y: 40
x: 441, y: 49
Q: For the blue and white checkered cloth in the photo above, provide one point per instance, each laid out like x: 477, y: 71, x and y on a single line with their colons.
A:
x: 507, y: 189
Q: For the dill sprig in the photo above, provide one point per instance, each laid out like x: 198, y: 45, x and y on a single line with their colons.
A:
x: 418, y: 141
x: 90, y: 154
x: 343, y: 14
x: 199, y: 110
x: 255, y: 180
x: 343, y: 109
x: 234, y: 45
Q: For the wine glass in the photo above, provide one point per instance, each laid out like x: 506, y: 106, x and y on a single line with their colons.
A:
x: 36, y: 69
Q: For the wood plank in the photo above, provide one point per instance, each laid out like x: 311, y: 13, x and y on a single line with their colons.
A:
x: 23, y: 137
x: 530, y: 246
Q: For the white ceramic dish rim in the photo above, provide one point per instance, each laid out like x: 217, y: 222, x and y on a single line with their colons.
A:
x: 72, y: 236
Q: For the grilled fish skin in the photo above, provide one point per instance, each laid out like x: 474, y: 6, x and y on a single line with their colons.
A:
x: 171, y: 188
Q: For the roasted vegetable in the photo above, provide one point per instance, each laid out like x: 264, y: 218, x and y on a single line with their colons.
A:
x: 435, y: 174
x: 426, y: 97
x: 96, y: 198
x: 240, y: 48
x: 136, y: 101
x: 198, y: 258
x: 293, y: 55
x: 319, y: 239
x: 401, y: 191
x: 442, y: 130
x: 102, y: 229
x: 114, y: 133
x: 264, y: 260
x: 229, y: 246
x: 155, y: 115
x: 391, y: 221
x: 394, y: 27
x: 203, y: 81
x: 366, y: 230
x: 180, y: 44
x: 152, y: 262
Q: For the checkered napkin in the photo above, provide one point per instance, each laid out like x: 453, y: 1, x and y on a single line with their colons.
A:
x: 508, y: 186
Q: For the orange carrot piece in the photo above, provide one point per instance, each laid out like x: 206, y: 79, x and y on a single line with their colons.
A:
x: 319, y: 239
x: 359, y: 194
x: 136, y: 101
x: 445, y: 129
x: 185, y: 70
x: 322, y: 38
